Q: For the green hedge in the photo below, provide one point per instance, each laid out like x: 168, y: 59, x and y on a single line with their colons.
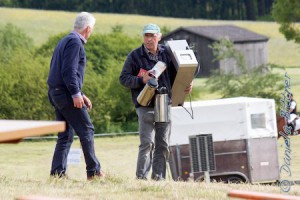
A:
x: 24, y: 70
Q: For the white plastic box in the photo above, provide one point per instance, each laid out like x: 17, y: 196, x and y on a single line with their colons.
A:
x: 226, y: 119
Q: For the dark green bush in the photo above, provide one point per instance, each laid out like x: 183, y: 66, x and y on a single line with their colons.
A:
x: 24, y: 71
x: 22, y: 76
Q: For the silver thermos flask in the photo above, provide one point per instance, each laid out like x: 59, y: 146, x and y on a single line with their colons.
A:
x: 161, y: 106
x: 145, y: 96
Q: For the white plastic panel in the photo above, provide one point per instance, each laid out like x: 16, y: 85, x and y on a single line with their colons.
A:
x: 226, y: 119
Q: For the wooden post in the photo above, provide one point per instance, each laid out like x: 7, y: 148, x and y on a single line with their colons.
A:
x: 206, y: 177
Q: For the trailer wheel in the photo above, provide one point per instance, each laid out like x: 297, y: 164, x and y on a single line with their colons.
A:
x: 235, y: 179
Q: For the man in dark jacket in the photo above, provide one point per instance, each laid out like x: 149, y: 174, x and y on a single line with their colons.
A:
x: 65, y: 82
x: 154, y: 136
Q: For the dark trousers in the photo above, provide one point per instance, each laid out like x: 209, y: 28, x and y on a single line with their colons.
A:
x: 78, y: 120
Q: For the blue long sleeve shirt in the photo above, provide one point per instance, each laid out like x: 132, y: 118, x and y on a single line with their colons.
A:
x: 67, y: 65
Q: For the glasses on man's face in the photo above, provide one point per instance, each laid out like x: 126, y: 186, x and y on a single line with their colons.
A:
x: 150, y: 35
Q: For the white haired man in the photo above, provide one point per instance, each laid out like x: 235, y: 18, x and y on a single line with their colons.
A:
x: 65, y: 82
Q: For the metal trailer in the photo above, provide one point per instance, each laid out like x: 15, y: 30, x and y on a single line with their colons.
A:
x: 244, y: 140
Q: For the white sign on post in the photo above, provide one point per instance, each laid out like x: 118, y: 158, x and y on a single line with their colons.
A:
x: 74, y: 157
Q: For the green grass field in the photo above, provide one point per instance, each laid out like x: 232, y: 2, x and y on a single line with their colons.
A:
x: 25, y: 171
x: 24, y: 167
x: 40, y: 24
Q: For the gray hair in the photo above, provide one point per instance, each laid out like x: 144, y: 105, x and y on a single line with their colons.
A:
x: 83, y: 20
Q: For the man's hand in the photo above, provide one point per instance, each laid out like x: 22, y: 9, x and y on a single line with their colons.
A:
x: 147, y: 76
x: 87, y: 102
x: 189, y: 88
x: 78, y: 102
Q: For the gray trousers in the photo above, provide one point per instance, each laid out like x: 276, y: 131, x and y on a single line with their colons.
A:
x: 154, y: 144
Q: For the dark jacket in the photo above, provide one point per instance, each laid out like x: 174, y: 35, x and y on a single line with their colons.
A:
x: 138, y: 59
x: 68, y: 65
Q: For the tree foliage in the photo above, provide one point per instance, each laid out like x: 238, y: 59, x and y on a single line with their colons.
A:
x: 22, y: 86
x: 287, y: 14
x: 257, y: 82
x: 24, y: 74
x: 206, y: 9
x: 11, y: 39
x: 24, y: 71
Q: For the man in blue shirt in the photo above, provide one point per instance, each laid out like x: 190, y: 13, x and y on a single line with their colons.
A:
x: 65, y: 82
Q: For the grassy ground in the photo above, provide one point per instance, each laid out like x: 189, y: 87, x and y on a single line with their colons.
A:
x: 25, y: 168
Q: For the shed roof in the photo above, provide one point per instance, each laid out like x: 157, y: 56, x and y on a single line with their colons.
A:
x: 215, y: 33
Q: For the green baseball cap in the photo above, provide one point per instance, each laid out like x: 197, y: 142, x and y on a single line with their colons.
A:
x: 151, y: 28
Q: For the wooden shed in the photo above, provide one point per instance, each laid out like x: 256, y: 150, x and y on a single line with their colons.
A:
x: 252, y: 45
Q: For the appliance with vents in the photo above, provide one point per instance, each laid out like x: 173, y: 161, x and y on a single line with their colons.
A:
x: 202, y: 153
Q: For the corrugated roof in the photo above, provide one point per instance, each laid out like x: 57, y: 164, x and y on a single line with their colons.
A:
x: 234, y: 33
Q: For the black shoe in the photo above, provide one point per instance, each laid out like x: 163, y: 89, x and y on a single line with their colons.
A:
x: 141, y: 178
x: 60, y: 176
x: 157, y: 177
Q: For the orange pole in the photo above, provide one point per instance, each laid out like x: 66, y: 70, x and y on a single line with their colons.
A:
x: 260, y: 195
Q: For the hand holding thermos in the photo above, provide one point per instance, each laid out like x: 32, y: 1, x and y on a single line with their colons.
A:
x: 150, y: 79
